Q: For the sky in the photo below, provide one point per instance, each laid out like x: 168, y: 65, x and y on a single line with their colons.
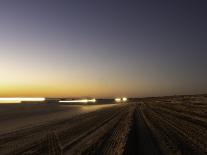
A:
x: 110, y: 48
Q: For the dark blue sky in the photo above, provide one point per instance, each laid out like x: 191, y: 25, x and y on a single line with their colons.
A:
x: 103, y: 49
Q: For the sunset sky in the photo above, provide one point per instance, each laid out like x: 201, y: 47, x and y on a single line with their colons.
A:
x: 75, y: 48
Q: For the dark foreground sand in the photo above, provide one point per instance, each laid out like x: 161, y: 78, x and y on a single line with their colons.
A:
x: 175, y: 125
x: 18, y: 116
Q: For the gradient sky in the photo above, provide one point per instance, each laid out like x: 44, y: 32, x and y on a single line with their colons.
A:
x: 102, y: 48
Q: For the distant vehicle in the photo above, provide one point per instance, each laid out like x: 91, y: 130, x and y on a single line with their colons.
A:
x: 119, y: 100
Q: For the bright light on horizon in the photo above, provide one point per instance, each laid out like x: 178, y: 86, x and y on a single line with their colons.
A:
x: 78, y: 101
x: 118, y: 99
x: 20, y: 99
x: 124, y: 99
x: 92, y: 100
x: 10, y: 101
